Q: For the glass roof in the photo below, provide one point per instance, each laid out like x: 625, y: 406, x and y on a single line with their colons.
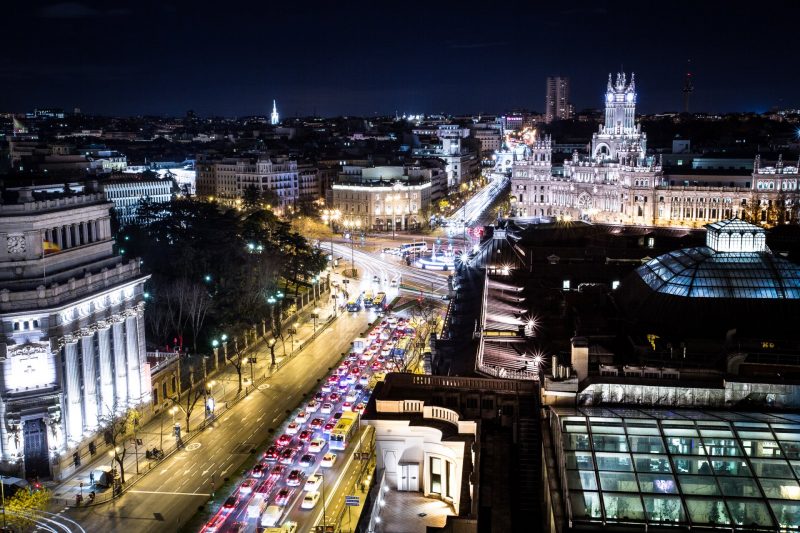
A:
x: 703, y: 273
x: 680, y: 467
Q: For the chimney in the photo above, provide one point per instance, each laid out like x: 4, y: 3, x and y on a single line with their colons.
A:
x: 580, y: 357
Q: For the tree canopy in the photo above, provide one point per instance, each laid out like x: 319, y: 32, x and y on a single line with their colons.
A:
x: 213, y: 267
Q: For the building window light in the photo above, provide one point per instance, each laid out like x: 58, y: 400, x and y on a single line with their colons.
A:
x: 565, y: 284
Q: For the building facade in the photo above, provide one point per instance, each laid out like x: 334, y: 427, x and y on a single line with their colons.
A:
x: 461, y: 164
x: 227, y: 178
x: 556, y: 104
x: 72, y: 340
x: 620, y: 183
x: 382, y: 198
x: 126, y: 193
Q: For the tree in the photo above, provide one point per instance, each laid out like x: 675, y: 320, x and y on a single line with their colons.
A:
x: 193, y: 395
x: 238, y: 361
x: 25, y: 506
x: 119, y: 426
x: 251, y: 197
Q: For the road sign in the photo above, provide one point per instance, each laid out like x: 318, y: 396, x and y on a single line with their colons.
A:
x: 353, y: 501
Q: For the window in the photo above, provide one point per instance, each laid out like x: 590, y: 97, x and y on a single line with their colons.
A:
x: 436, y: 475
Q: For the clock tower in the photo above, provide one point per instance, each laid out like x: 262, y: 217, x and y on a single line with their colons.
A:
x: 619, y: 137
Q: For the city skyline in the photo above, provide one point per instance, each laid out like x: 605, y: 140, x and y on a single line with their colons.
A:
x: 327, y: 61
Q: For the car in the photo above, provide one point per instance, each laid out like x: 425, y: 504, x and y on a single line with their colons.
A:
x: 381, y: 359
x: 342, y: 370
x: 247, y: 486
x: 313, y: 482
x: 328, y: 460
x: 344, y: 385
x: 258, y: 470
x: 351, y: 397
x: 386, y: 351
x: 301, y: 418
x: 355, y: 370
x: 288, y: 455
x: 306, y: 435
x: 326, y: 408
x: 360, y: 407
x: 316, y: 423
x: 310, y: 500
x: 231, y: 503
x: 316, y: 445
x: 351, y: 378
x: 363, y: 363
x: 216, y: 523
x: 282, y: 498
x: 359, y: 387
x: 307, y: 460
x: 363, y: 381
x: 376, y: 365
x: 366, y: 356
x: 284, y: 440
x: 327, y: 428
x: 333, y: 380
x: 276, y: 472
x: 273, y: 453
x: 312, y: 407
x: 337, y: 415
x: 376, y: 279
x: 327, y: 387
x: 319, y: 397
x: 292, y: 428
x: 334, y: 397
x: 347, y: 406
x: 294, y: 478
x: 352, y: 356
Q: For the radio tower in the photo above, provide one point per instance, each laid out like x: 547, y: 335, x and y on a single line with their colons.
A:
x: 688, y: 87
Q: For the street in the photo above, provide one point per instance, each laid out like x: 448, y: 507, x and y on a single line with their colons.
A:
x: 167, y: 498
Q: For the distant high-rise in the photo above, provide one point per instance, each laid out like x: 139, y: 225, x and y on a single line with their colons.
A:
x: 688, y: 88
x: 274, y: 119
x: 556, y: 105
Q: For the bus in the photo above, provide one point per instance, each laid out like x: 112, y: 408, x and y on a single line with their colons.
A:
x: 354, y: 305
x: 379, y: 302
x: 412, y: 248
x: 401, y: 347
x: 368, y: 299
x: 344, y: 431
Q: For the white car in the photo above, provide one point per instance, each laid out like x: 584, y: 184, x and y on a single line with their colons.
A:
x: 310, y: 500
x: 327, y: 408
x: 328, y: 460
x: 293, y: 428
x: 301, y: 418
x: 316, y: 445
x: 313, y: 483
x: 312, y: 407
x: 351, y: 396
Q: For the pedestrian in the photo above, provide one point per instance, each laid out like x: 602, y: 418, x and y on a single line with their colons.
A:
x: 91, y: 478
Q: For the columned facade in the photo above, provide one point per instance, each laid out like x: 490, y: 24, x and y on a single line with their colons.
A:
x: 72, y: 350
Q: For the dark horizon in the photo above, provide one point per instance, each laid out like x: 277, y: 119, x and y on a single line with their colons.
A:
x: 129, y: 58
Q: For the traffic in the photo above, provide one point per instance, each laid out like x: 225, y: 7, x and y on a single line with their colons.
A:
x: 294, y: 472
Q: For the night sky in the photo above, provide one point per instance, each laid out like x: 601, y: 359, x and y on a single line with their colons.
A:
x: 360, y: 58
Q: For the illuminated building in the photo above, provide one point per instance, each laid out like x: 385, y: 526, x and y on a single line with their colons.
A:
x: 274, y: 118
x: 127, y: 190
x: 384, y: 198
x: 227, y: 178
x: 556, y: 104
x: 72, y: 344
x: 619, y: 182
x: 461, y: 164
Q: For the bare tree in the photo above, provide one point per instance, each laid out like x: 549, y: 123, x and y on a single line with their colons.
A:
x: 237, y: 361
x: 193, y: 395
x: 198, y: 304
x: 118, y: 427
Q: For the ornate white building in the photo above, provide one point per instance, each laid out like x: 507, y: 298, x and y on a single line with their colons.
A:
x: 620, y: 183
x: 72, y: 346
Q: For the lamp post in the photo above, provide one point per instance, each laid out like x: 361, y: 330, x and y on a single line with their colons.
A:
x: 271, y: 301
x: 315, y: 315
x: 215, y: 348
x: 294, y: 332
x: 224, y: 338
x: 271, y: 344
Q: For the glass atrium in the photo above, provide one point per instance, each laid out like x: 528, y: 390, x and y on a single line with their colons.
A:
x: 623, y: 467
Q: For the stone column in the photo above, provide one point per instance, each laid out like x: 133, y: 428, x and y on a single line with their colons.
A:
x: 144, y: 370
x: 120, y: 366
x: 84, y: 233
x: 90, y: 414
x: 68, y: 231
x: 73, y: 389
x: 106, y: 373
x: 134, y: 381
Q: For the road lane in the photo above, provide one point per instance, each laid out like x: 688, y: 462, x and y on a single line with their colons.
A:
x: 168, y: 499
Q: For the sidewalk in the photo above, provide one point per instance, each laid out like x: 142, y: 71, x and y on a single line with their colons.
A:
x: 158, y: 432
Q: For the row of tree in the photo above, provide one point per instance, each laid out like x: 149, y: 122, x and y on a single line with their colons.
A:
x: 213, y: 268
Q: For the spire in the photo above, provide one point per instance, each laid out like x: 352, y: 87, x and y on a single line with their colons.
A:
x: 274, y: 118
x: 757, y: 162
x: 610, y: 87
x: 632, y: 85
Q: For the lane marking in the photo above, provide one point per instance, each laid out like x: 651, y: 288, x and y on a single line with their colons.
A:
x: 170, y: 493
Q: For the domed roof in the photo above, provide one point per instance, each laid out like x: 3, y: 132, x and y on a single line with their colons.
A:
x: 703, y: 273
x: 695, y: 286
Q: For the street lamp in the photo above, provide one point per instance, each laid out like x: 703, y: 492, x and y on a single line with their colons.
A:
x: 294, y: 332
x: 315, y: 315
x: 271, y: 301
